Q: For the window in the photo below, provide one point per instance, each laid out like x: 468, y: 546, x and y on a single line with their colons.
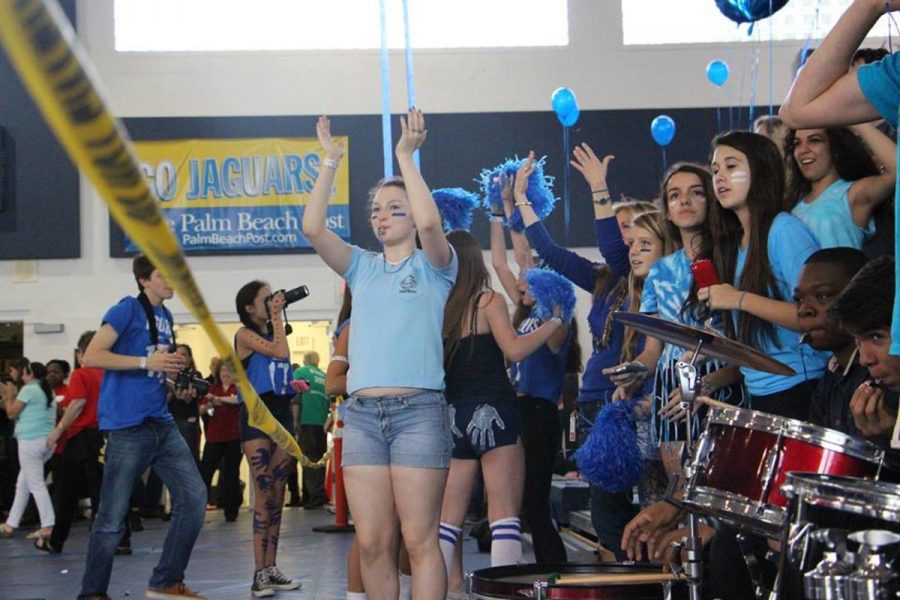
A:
x: 261, y: 25
x: 699, y: 21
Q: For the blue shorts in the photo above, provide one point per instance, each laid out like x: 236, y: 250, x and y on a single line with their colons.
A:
x: 479, y: 427
x: 279, y: 406
x: 400, y: 431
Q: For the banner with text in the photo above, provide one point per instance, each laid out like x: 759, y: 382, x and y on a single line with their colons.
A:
x: 241, y: 194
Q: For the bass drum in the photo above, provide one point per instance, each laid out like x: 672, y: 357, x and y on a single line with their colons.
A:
x: 610, y: 581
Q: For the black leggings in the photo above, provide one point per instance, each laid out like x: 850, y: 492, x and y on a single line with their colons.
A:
x: 541, y: 436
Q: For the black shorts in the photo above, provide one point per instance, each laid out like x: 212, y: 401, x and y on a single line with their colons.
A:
x: 279, y: 406
x: 480, y: 425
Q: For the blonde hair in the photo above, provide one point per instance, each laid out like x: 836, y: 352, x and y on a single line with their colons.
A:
x: 311, y: 359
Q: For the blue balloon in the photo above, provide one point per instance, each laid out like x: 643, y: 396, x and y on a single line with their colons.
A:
x: 749, y: 11
x: 662, y: 129
x: 717, y: 72
x: 565, y: 106
x: 571, y: 118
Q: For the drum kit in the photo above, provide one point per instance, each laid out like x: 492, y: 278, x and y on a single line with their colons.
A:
x: 814, y: 493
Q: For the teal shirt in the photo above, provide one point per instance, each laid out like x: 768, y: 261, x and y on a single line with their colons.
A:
x: 314, y: 403
x: 831, y: 220
x: 36, y: 420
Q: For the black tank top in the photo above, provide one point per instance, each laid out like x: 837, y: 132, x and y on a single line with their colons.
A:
x: 478, y: 372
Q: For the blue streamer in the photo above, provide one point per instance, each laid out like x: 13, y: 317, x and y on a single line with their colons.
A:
x: 410, y: 77
x: 456, y: 206
x: 386, y: 137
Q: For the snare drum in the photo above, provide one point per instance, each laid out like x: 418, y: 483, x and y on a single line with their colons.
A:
x: 611, y: 581
x: 818, y: 501
x: 744, y: 456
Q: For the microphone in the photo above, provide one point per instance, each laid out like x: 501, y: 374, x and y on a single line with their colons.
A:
x: 804, y: 338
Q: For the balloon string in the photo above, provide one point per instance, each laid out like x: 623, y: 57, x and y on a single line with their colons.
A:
x: 665, y: 162
x: 566, y: 209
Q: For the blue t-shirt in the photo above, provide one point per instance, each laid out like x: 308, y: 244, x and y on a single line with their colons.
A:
x: 37, y: 419
x: 790, y: 243
x: 830, y: 219
x: 880, y: 84
x: 542, y: 374
x: 268, y: 374
x: 129, y: 397
x: 398, y: 312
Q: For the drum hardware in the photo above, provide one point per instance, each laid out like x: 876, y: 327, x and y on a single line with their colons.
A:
x: 752, y: 562
x: 874, y: 579
x: 829, y: 579
x: 768, y: 475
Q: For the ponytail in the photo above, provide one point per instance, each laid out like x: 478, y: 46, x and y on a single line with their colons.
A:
x: 39, y: 371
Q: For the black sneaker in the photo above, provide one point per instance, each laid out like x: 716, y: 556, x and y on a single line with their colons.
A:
x: 261, y: 587
x: 277, y: 580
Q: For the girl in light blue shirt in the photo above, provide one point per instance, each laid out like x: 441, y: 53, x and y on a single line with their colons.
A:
x: 760, y: 250
x: 396, y: 429
x: 834, y: 185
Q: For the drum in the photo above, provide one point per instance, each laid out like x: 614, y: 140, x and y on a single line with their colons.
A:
x: 611, y: 581
x: 818, y: 502
x: 744, y: 456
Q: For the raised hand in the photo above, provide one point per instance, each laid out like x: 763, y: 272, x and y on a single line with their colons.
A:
x: 412, y: 133
x: 323, y: 132
x: 592, y: 168
x: 522, y: 175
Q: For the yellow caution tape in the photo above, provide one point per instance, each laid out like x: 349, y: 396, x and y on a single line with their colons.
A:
x: 44, y: 50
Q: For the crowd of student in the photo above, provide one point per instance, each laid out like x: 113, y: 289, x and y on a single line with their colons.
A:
x: 441, y: 381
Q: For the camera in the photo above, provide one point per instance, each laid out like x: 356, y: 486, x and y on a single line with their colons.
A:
x: 189, y: 377
x: 290, y: 296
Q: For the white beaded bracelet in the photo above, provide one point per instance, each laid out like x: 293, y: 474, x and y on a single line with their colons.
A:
x: 330, y: 162
x: 143, y: 363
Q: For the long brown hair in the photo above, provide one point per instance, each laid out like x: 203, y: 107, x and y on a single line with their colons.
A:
x: 472, y: 277
x: 764, y: 202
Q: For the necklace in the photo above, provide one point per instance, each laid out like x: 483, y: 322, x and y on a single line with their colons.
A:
x: 396, y: 266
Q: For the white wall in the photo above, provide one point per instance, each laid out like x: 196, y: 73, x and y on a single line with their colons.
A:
x: 603, y: 73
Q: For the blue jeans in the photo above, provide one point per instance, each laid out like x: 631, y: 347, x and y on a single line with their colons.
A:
x: 129, y: 452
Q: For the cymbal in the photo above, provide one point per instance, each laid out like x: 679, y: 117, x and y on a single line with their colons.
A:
x: 715, y: 345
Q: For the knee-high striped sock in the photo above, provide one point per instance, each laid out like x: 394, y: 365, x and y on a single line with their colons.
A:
x: 356, y: 596
x: 506, y: 542
x: 449, y: 539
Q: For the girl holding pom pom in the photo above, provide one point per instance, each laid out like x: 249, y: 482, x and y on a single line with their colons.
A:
x: 396, y: 375
x: 485, y: 419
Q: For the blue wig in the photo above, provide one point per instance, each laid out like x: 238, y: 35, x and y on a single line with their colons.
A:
x: 456, y: 206
x: 539, y: 191
x: 610, y: 457
x: 550, y: 289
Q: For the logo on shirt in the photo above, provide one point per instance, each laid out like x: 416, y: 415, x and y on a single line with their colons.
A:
x: 408, y: 285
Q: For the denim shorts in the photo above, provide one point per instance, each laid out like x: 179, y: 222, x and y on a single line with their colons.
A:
x: 401, y: 431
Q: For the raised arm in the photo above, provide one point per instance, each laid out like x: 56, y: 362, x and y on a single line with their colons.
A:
x: 516, y: 347
x: 825, y: 94
x: 499, y: 252
x: 868, y: 192
x: 425, y: 213
x: 333, y: 250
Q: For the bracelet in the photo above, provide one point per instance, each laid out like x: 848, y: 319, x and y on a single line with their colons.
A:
x: 600, y: 191
x: 523, y: 203
x: 740, y: 305
x: 497, y: 219
x: 603, y: 201
x: 143, y: 363
x: 339, y: 358
x: 330, y: 162
x: 706, y: 388
x: 501, y: 215
x: 557, y: 320
x: 673, y: 502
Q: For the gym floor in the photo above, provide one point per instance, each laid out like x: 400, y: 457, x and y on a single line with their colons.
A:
x: 221, y: 565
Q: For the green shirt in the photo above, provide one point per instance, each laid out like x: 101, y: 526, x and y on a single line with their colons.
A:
x: 314, y: 403
x: 37, y: 419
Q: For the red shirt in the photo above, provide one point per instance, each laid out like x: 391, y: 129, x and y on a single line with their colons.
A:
x: 224, y: 424
x: 84, y: 384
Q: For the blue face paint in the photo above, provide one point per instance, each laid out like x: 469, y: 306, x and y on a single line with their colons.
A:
x: 398, y: 214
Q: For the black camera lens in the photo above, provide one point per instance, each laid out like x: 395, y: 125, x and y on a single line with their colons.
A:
x: 298, y: 293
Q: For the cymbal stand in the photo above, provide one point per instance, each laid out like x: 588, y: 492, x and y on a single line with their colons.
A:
x: 689, y: 383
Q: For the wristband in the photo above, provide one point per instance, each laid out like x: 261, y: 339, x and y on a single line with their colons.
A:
x: 496, y: 219
x: 523, y: 203
x: 600, y: 191
x: 740, y: 305
x: 557, y: 320
x: 143, y: 363
x: 603, y: 201
x: 330, y: 162
x: 501, y: 215
x: 339, y: 358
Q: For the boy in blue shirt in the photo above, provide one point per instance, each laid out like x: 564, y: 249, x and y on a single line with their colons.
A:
x: 134, y: 348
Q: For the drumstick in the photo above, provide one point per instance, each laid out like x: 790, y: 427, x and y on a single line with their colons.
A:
x: 624, y: 578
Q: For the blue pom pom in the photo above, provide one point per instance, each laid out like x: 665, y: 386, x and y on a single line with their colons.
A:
x: 610, y: 457
x: 456, y: 206
x: 539, y: 191
x: 550, y: 289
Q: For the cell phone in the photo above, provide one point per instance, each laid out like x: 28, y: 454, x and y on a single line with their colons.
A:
x: 704, y: 273
x: 630, y: 368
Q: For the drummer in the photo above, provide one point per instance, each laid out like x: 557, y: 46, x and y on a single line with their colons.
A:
x: 843, y: 399
x: 864, y: 309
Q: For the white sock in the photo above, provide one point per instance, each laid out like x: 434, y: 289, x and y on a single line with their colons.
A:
x: 356, y: 596
x: 449, y: 539
x: 506, y: 542
x: 405, y: 586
